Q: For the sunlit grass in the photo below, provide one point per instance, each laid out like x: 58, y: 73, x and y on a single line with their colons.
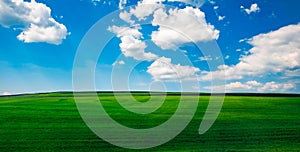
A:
x: 51, y: 122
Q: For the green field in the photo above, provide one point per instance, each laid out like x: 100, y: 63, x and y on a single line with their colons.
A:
x: 51, y: 122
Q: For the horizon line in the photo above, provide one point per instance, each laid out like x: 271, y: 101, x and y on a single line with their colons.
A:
x: 266, y: 94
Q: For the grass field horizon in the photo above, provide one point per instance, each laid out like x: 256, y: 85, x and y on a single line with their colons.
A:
x: 268, y: 94
x: 51, y: 122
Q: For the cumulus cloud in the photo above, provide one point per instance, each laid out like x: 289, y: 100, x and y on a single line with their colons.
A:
x: 273, y: 87
x: 34, y: 19
x: 254, y: 86
x: 205, y: 58
x: 180, y: 26
x: 146, y: 8
x: 237, y: 86
x: 254, y: 83
x: 121, y: 62
x: 162, y: 69
x: 122, y: 31
x: 253, y: 9
x: 51, y: 34
x: 229, y: 71
x: 131, y: 45
x: 234, y: 86
x: 6, y: 94
x: 143, y: 9
x: 276, y: 52
x: 126, y: 16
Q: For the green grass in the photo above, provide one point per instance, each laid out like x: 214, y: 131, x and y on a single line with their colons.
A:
x: 51, y: 122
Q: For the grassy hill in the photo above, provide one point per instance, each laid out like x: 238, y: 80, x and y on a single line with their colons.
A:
x: 51, y: 122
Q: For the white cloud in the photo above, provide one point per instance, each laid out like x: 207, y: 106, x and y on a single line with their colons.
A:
x: 289, y: 86
x: 274, y: 52
x: 131, y: 45
x: 190, y: 21
x: 254, y: 83
x: 253, y: 9
x: 51, y: 34
x: 251, y: 86
x: 216, y: 7
x: 163, y: 70
x: 238, y: 86
x: 126, y: 16
x: 180, y: 26
x: 205, y: 58
x: 292, y: 73
x: 196, y: 3
x: 234, y: 86
x: 243, y: 40
x: 146, y: 8
x: 223, y: 72
x: 122, y: 31
x: 277, y: 51
x: 212, y: 2
x: 142, y: 10
x: 121, y: 62
x: 276, y: 87
x: 96, y: 2
x: 238, y: 50
x: 122, y: 3
x: 227, y: 57
x: 183, y: 51
x: 6, y: 93
x: 221, y: 18
x: 34, y: 19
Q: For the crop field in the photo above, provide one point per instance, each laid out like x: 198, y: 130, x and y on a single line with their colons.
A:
x: 51, y: 122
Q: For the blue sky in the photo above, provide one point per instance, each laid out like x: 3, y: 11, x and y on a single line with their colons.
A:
x: 251, y: 46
